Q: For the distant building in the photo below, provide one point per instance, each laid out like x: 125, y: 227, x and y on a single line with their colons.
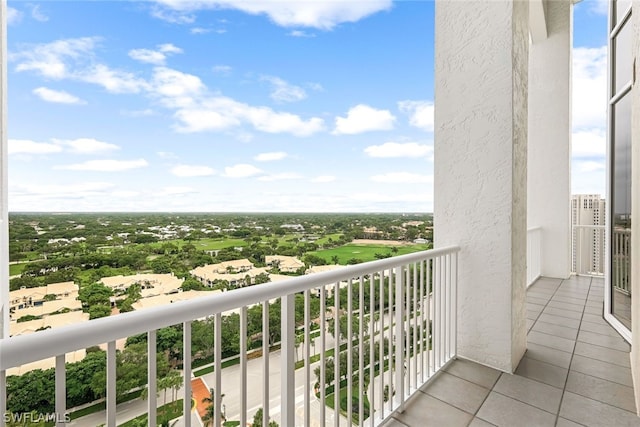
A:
x: 287, y: 264
x: 588, y: 210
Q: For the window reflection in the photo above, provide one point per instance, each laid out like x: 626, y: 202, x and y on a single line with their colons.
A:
x: 621, y: 211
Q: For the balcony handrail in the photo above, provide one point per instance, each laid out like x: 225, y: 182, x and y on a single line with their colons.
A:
x: 22, y: 349
x: 594, y: 227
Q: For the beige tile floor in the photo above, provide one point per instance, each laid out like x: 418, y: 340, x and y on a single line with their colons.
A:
x: 575, y: 372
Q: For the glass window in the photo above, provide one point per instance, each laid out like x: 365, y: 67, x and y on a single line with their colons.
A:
x: 619, y: 9
x: 623, y: 62
x: 621, y: 211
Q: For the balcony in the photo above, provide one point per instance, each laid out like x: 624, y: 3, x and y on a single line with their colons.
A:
x: 576, y: 371
x: 398, y: 319
x: 394, y: 322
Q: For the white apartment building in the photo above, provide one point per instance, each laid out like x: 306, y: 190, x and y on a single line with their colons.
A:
x: 588, y: 218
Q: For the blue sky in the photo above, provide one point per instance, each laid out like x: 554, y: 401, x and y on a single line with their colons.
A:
x: 236, y: 106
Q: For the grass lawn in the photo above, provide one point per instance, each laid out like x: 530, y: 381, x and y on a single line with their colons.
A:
x: 334, y: 237
x: 15, y: 269
x: 365, y: 252
x: 205, y: 244
x: 330, y: 400
x: 165, y: 412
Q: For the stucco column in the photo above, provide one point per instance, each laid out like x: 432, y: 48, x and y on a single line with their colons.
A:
x: 635, y: 207
x: 481, y: 68
x: 549, y: 143
x: 4, y: 186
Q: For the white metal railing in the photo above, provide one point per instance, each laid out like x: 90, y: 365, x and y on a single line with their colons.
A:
x: 588, y: 249
x: 621, y: 259
x: 405, y: 332
x: 534, y: 254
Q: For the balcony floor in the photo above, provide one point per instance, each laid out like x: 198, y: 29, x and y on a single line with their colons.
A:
x: 576, y: 371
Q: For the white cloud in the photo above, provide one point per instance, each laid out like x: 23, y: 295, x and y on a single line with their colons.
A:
x: 300, y: 33
x: 176, y: 87
x: 403, y: 178
x: 300, y: 13
x: 396, y: 149
x: 172, y: 16
x: 222, y: 69
x: 363, y: 118
x: 24, y: 146
x: 86, y: 145
x: 421, y: 113
x: 105, y: 165
x: 221, y: 113
x: 13, y: 15
x: 49, y: 59
x: 200, y: 30
x: 324, y: 178
x: 280, y: 177
x: 76, y: 146
x: 192, y: 170
x: 115, y: 81
x: 589, y: 143
x: 590, y: 166
x: 57, y: 96
x: 166, y: 155
x: 74, y: 59
x: 195, y: 108
x: 148, y: 56
x: 315, y: 86
x: 169, y: 48
x: 155, y: 57
x: 600, y: 7
x: 125, y: 194
x: 176, y: 191
x: 281, y: 91
x: 589, y: 87
x: 138, y: 113
x: 269, y: 157
x: 242, y: 170
x: 71, y: 190
x: 37, y: 14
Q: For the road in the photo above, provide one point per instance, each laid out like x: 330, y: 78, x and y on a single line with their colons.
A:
x: 231, y: 391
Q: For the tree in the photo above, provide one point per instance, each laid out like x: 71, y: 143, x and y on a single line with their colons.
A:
x: 335, y: 259
x: 94, y: 294
x: 99, y: 310
x: 344, y: 327
x: 329, y: 372
x: 131, y: 370
x: 210, y: 415
x: 161, y: 265
x: 257, y: 420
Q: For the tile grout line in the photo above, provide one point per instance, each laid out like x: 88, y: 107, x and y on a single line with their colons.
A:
x: 564, y: 389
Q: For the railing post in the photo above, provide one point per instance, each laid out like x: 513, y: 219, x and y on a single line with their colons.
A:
x: 186, y: 368
x: 288, y: 392
x: 111, y: 384
x: 61, y: 390
x: 217, y: 355
x: 152, y: 373
x: 243, y: 366
x: 3, y: 396
x: 399, y: 337
x: 265, y: 363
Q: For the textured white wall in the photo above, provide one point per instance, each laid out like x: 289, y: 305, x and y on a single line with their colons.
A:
x: 635, y: 209
x: 4, y: 209
x: 549, y: 144
x: 481, y: 68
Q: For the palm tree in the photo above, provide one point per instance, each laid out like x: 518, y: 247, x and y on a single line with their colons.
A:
x: 209, y: 416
